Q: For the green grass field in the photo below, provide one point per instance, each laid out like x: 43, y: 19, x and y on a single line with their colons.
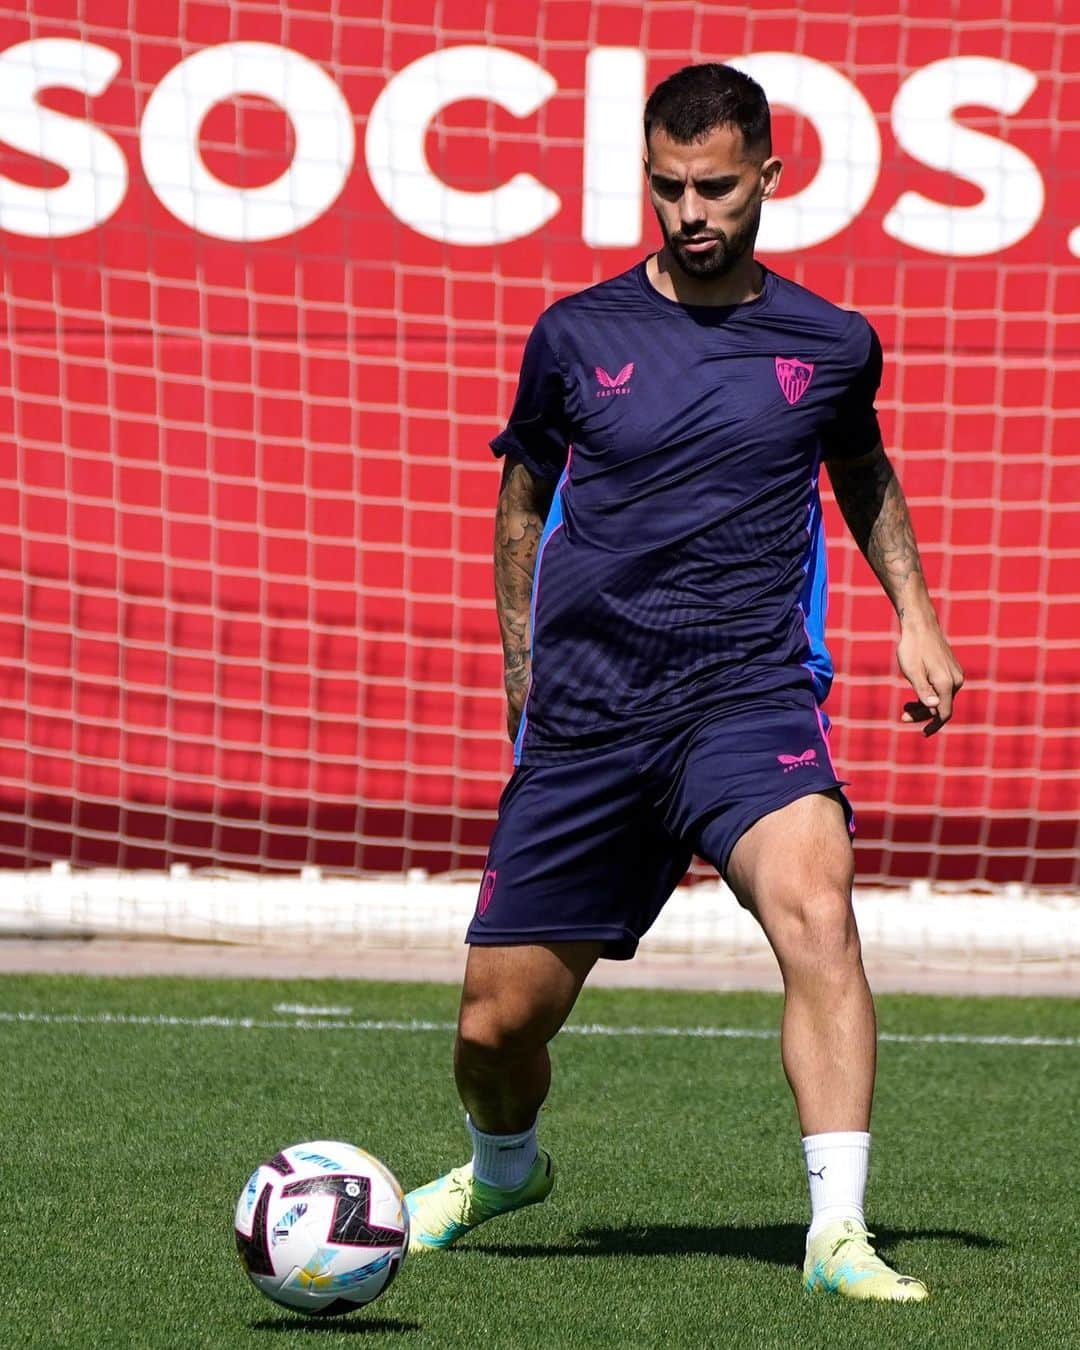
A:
x: 678, y: 1216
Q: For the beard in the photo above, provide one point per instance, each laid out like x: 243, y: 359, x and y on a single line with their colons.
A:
x: 718, y: 262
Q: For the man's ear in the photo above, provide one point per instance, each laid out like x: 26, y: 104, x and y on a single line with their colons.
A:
x: 770, y: 176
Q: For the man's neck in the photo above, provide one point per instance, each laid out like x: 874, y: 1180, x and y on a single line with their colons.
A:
x: 737, y: 287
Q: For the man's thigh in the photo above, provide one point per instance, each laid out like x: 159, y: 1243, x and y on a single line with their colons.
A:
x: 578, y: 855
x: 793, y: 856
x: 744, y: 767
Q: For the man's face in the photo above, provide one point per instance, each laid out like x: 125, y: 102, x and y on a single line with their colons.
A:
x: 707, y: 198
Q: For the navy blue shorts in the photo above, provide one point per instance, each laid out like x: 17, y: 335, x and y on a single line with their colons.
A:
x: 591, y: 850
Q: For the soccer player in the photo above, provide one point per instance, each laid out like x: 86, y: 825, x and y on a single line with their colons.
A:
x: 660, y: 586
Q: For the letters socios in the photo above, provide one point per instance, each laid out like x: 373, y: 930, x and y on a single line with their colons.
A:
x: 325, y: 151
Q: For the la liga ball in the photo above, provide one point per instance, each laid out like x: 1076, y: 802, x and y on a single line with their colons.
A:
x: 322, y: 1228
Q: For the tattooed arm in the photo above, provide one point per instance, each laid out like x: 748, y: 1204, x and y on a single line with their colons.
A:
x: 524, y: 502
x: 872, y: 501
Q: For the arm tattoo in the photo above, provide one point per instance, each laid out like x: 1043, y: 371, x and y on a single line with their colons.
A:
x: 523, y: 505
x: 871, y: 499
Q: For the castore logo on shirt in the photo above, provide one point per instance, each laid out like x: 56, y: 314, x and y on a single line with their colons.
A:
x: 610, y: 385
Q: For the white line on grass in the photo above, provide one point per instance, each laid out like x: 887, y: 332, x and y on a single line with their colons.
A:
x: 310, y: 1010
x: 578, y: 1029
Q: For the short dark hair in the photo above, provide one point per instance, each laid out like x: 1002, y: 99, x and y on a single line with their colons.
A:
x: 697, y: 99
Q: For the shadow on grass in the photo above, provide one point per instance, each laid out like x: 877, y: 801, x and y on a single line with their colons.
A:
x: 335, y: 1326
x: 781, y: 1244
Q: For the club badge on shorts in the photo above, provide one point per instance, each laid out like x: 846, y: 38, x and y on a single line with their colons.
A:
x: 487, y: 892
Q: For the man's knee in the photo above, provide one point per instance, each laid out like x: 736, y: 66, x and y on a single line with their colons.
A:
x: 501, y: 1024
x: 514, y: 1000
x: 816, y: 928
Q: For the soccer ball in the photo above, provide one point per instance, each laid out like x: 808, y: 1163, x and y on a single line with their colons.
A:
x: 322, y: 1228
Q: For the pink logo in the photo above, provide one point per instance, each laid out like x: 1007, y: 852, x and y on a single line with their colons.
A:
x: 614, y: 384
x: 807, y: 760
x: 794, y: 377
x: 487, y: 892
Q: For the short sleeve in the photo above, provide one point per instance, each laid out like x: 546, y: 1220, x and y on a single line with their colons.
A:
x: 537, y: 431
x: 854, y: 431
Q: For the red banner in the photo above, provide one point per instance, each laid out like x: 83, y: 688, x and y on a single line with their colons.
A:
x: 268, y: 273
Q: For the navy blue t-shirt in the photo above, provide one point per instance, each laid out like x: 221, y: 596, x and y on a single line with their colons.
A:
x: 681, y: 568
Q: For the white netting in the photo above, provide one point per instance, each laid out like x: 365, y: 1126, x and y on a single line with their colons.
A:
x: 268, y: 270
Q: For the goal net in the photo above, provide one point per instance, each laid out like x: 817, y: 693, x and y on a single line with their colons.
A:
x: 268, y: 273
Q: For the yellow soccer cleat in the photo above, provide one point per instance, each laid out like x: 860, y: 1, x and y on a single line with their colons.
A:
x: 840, y: 1260
x: 446, y: 1209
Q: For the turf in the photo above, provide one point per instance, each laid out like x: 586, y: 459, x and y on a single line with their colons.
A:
x: 677, y: 1219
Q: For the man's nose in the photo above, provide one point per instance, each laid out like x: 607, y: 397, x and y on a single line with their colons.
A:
x: 691, y: 208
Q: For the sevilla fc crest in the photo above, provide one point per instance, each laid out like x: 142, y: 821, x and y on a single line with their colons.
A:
x: 794, y: 377
x: 487, y: 892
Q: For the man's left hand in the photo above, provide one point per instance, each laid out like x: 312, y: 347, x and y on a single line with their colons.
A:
x: 927, y: 662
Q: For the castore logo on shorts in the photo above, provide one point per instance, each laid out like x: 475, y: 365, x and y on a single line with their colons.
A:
x: 807, y: 760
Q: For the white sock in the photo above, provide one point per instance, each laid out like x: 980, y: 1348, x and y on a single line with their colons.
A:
x: 502, y: 1160
x: 836, y: 1165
